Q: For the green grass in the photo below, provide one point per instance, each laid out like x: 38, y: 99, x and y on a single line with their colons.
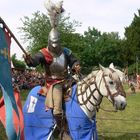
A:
x: 2, y: 133
x: 122, y: 125
x: 126, y: 127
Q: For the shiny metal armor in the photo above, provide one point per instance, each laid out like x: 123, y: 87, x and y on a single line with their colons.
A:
x: 58, y: 67
x: 54, y: 42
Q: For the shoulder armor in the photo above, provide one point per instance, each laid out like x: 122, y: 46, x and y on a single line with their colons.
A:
x: 67, y: 51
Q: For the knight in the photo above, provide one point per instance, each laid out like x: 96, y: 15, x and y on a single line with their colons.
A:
x: 56, y: 60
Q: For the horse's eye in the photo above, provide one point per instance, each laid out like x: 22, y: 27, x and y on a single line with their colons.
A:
x: 111, y: 82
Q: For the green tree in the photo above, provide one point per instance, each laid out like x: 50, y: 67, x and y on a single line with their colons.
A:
x: 132, y: 34
x: 108, y: 49
x: 91, y: 48
x: 36, y: 30
x: 88, y: 54
x: 102, y: 48
x: 92, y: 36
x: 18, y: 64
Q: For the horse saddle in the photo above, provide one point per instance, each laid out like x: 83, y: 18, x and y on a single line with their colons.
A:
x: 66, y: 88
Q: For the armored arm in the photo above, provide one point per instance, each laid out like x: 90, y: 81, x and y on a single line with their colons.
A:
x: 73, y: 62
x: 33, y: 61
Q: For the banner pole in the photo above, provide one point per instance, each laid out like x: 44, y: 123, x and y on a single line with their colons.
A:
x: 13, y: 36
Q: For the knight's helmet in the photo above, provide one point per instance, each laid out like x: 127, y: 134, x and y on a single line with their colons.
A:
x: 54, y: 11
x: 54, y: 41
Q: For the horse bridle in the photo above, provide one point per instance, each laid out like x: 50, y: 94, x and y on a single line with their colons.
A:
x: 119, y: 87
x: 119, y: 90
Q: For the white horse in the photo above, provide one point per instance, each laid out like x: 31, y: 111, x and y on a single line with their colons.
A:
x: 80, y: 110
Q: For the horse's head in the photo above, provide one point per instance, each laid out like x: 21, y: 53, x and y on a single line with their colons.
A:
x: 120, y: 73
x: 110, y: 86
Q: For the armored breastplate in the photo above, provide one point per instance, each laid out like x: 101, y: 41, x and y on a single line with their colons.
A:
x: 58, y: 67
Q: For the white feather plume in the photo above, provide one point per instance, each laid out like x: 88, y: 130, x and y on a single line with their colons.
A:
x: 54, y: 11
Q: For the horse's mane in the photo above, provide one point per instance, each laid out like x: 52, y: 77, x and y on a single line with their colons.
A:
x: 88, y: 76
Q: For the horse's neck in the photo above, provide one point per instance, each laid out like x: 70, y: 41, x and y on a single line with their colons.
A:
x: 88, y: 94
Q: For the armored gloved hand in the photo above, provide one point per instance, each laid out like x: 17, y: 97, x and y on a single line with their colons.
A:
x: 28, y: 59
x: 76, y: 72
x: 76, y: 69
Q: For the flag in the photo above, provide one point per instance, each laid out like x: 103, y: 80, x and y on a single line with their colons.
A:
x: 6, y: 86
x: 16, y: 120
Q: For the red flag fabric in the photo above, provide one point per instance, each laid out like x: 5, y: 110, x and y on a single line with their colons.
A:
x: 16, y: 120
x: 8, y: 38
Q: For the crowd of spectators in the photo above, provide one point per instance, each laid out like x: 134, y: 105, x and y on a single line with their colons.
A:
x: 27, y: 79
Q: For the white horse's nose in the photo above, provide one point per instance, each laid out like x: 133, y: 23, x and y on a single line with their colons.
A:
x: 120, y: 106
x: 120, y: 103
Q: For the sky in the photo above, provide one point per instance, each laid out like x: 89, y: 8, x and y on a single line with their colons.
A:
x: 104, y: 15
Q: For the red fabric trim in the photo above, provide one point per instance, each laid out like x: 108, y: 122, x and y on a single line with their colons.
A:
x: 48, y: 85
x: 47, y: 55
x: 8, y: 39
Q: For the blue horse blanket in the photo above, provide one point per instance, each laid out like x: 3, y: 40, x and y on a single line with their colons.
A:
x: 39, y: 124
x: 80, y: 126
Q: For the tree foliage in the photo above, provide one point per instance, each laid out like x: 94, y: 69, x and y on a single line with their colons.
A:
x: 91, y: 48
x: 132, y: 34
x: 36, y: 30
x: 18, y: 64
x: 108, y: 49
x: 103, y: 48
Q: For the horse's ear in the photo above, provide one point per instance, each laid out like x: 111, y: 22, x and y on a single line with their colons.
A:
x: 111, y: 66
x: 101, y: 67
